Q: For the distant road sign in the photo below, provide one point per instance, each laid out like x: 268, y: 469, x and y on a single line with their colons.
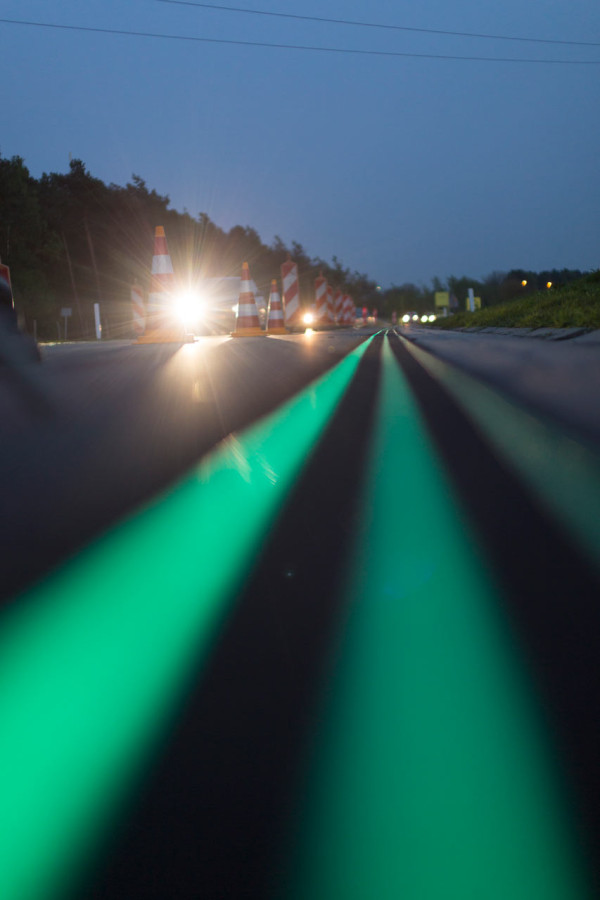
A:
x: 66, y: 311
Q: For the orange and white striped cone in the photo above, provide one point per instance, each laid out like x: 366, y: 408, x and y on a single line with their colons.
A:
x: 247, y: 323
x: 338, y: 304
x: 162, y: 326
x: 275, y: 312
x: 291, y: 293
x: 138, y: 310
x: 320, y: 300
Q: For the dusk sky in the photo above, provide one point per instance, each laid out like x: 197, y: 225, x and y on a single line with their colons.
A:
x: 403, y: 167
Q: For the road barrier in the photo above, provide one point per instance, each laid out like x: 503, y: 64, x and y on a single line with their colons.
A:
x: 291, y: 292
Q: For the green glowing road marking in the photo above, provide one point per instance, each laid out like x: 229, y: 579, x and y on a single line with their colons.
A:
x: 564, y: 473
x: 430, y: 777
x: 93, y: 660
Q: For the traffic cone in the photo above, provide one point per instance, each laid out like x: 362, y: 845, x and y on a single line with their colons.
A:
x: 275, y: 312
x: 138, y: 310
x: 162, y: 326
x: 247, y: 323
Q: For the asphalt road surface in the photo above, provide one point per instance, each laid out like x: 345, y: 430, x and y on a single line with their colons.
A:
x: 350, y: 652
x: 124, y: 421
x: 560, y: 379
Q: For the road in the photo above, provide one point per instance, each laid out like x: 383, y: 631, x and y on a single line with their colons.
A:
x: 350, y: 652
x: 124, y: 422
x: 560, y: 379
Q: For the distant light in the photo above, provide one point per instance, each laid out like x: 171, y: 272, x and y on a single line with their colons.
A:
x: 424, y: 318
x: 548, y: 284
x: 309, y: 331
x: 524, y: 283
x: 432, y: 318
x: 378, y: 288
x: 234, y: 309
x: 308, y: 319
x: 406, y: 318
x: 415, y: 318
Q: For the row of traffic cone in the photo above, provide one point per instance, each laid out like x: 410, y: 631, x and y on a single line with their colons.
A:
x: 247, y: 323
x: 330, y: 308
x: 156, y: 324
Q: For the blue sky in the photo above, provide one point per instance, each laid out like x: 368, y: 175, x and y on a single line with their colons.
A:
x: 404, y: 168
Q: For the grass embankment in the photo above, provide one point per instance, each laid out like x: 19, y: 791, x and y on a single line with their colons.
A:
x: 576, y: 305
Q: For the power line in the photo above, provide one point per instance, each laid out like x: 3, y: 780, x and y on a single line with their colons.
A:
x: 387, y: 27
x: 339, y: 50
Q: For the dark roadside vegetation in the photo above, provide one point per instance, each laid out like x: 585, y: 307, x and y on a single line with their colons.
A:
x: 574, y: 305
x: 71, y: 241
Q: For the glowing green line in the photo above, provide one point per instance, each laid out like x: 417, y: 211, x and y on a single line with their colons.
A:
x: 95, y: 658
x: 431, y: 778
x: 564, y: 473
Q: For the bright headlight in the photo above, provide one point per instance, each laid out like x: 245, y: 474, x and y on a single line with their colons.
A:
x: 308, y: 318
x: 188, y: 306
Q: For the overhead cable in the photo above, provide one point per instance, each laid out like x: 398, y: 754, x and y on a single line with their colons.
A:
x: 384, y: 26
x: 339, y: 50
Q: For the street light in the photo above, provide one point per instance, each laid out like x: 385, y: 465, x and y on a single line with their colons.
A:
x: 524, y: 283
x: 548, y: 284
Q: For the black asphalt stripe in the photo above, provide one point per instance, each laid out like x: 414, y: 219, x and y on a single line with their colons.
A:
x: 552, y: 594
x: 212, y: 819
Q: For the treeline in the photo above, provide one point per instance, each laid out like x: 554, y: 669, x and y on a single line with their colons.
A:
x: 71, y: 240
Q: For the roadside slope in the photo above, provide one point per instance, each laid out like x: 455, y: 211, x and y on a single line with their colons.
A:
x: 576, y: 305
